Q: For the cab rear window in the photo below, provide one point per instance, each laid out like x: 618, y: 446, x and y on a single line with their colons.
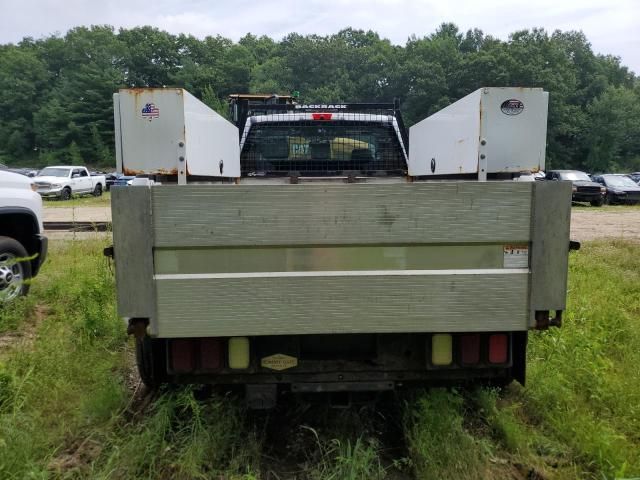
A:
x: 322, y: 147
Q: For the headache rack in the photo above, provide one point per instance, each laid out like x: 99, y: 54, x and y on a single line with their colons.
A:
x: 320, y: 139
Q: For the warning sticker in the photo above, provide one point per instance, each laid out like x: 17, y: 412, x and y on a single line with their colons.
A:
x: 516, y: 256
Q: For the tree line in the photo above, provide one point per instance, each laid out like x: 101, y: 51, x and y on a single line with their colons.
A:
x: 56, y: 92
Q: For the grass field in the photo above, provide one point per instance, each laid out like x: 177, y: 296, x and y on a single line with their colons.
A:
x: 79, y: 201
x: 71, y: 408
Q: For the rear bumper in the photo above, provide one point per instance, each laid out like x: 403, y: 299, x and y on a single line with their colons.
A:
x: 41, y: 244
x: 339, y: 362
x: 623, y: 198
x: 50, y: 193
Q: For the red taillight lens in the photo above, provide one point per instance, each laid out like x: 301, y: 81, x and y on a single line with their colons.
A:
x: 470, y: 349
x: 210, y: 354
x: 182, y: 355
x: 321, y: 116
x: 498, y: 348
x: 188, y: 355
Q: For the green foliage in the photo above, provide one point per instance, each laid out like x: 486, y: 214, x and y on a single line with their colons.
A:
x: 439, y: 444
x: 73, y: 154
x: 63, y: 396
x: 614, y: 132
x: 60, y: 369
x: 182, y: 437
x: 344, y: 460
x: 57, y: 90
x: 505, y: 426
x: 584, y: 384
x: 82, y: 201
x: 210, y: 98
x: 13, y: 317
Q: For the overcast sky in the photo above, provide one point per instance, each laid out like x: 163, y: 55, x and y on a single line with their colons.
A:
x: 612, y: 27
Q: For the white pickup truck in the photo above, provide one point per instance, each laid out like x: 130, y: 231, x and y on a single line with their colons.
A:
x: 321, y: 255
x: 64, y: 181
x: 23, y: 247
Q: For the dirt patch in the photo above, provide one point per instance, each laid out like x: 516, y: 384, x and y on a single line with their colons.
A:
x: 28, y: 330
x: 594, y: 223
x: 500, y: 468
x: 77, y: 458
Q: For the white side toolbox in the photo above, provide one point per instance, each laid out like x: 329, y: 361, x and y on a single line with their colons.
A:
x: 491, y: 130
x: 168, y: 131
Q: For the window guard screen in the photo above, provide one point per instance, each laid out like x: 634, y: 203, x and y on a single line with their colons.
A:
x: 321, y: 147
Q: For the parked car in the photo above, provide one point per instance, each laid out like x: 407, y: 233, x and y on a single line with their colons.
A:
x: 635, y: 176
x: 584, y: 189
x: 27, y: 172
x: 620, y: 188
x: 63, y: 181
x: 530, y: 176
x: 110, y: 179
x: 23, y: 247
x: 123, y: 181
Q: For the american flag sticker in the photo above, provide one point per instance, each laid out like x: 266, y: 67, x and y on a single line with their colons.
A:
x: 150, y: 111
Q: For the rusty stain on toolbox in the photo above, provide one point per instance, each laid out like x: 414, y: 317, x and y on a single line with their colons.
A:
x: 159, y: 171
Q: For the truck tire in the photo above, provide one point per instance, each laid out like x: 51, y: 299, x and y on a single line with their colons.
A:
x: 14, y: 273
x: 65, y: 194
x: 519, y: 368
x: 97, y: 191
x: 150, y: 360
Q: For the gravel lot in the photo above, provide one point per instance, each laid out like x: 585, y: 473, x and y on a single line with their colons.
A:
x: 593, y: 223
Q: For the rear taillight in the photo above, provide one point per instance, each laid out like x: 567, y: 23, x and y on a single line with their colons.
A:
x: 189, y: 355
x: 210, y: 354
x: 321, y: 116
x: 239, y: 354
x: 441, y: 350
x: 182, y: 359
x: 470, y: 349
x: 498, y: 348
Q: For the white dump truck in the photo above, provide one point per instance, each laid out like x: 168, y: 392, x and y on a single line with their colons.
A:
x: 319, y: 248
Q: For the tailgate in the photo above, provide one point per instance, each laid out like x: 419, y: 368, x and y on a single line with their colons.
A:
x: 227, y: 260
